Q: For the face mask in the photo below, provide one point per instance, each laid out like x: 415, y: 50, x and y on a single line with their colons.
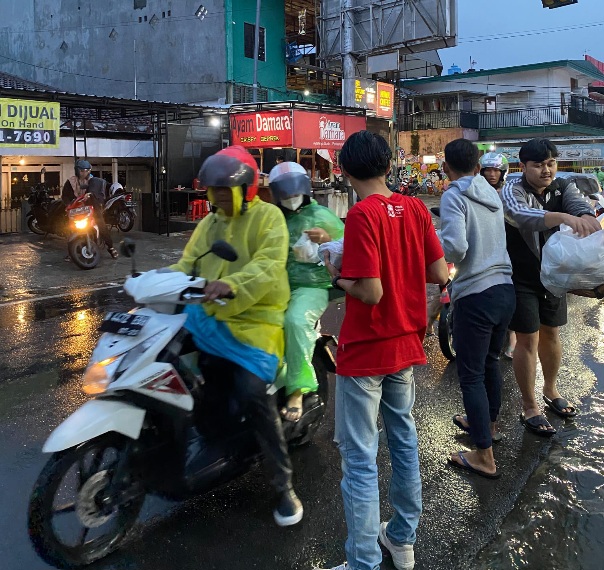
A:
x: 293, y: 203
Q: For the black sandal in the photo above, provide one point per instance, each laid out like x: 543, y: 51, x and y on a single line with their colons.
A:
x: 112, y: 252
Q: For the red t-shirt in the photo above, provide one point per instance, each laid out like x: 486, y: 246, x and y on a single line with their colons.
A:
x: 394, y: 240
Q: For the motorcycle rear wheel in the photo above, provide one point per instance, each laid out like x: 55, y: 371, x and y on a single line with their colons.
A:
x: 90, y: 467
x: 32, y: 224
x: 125, y: 221
x: 445, y: 332
x: 85, y: 253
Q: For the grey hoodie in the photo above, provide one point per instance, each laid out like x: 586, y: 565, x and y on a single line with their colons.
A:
x: 473, y: 236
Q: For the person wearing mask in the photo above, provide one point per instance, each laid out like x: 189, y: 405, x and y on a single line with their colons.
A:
x: 309, y: 281
x: 473, y: 237
x: 245, y: 335
x: 83, y: 182
x: 494, y: 168
x: 389, y: 240
x: 534, y: 209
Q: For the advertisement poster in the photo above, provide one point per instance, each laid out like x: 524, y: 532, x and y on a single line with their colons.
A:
x: 385, y: 100
x: 324, y: 130
x: 365, y: 94
x: 264, y: 129
x: 29, y: 124
x: 567, y: 152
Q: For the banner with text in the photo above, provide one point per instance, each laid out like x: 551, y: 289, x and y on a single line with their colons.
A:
x: 26, y: 123
x: 385, y: 100
x: 324, y: 130
x: 261, y: 130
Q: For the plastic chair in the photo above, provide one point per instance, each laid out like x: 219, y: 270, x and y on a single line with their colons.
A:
x: 197, y: 210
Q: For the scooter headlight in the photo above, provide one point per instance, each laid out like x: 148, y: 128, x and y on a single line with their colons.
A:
x: 97, y: 377
x: 81, y: 224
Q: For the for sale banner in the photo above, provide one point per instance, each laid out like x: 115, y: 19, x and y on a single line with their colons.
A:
x: 324, y: 130
x: 30, y: 124
x: 261, y: 130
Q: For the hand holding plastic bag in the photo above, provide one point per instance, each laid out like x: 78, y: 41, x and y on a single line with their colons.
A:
x: 569, y: 262
x: 305, y: 251
x: 336, y: 251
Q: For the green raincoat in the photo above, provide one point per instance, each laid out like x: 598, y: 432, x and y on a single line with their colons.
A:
x: 309, y: 283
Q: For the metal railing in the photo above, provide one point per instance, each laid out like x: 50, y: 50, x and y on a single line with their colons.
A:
x: 11, y: 217
x: 533, y: 117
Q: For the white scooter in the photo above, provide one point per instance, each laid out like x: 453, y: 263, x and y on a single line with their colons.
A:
x: 155, y: 426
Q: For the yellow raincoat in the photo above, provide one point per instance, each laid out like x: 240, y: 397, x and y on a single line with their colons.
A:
x: 258, y: 277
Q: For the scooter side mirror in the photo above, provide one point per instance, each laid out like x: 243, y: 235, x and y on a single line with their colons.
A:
x: 224, y: 250
x: 128, y: 247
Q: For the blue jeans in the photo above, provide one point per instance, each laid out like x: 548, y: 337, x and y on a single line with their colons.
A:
x: 358, y: 401
x: 480, y: 324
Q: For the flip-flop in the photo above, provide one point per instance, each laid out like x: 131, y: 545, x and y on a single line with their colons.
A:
x: 496, y: 438
x: 291, y: 410
x: 467, y: 467
x: 557, y: 405
x: 532, y: 424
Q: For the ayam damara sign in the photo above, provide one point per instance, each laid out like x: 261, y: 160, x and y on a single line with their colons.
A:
x: 299, y: 129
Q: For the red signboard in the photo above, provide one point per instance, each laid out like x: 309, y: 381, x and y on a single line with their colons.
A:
x: 324, y: 130
x: 261, y: 130
x: 385, y: 100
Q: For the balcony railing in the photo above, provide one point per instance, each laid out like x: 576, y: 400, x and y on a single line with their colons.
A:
x: 534, y: 117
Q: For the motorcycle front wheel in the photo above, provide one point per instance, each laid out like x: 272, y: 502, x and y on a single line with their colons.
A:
x: 125, y: 221
x: 84, y: 252
x: 445, y: 331
x: 73, y: 519
x: 32, y: 224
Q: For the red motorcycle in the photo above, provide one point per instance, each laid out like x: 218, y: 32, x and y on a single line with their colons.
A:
x: 85, y: 243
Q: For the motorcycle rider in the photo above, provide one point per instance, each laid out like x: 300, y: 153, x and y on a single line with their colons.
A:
x: 83, y: 182
x: 309, y: 282
x: 246, y: 334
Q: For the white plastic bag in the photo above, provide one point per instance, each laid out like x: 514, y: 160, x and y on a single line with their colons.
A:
x: 305, y: 251
x: 336, y: 251
x: 569, y: 262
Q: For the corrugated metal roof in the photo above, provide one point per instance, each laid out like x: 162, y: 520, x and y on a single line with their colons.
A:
x: 9, y: 81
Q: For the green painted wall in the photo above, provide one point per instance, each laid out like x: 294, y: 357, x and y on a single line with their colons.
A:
x: 240, y: 69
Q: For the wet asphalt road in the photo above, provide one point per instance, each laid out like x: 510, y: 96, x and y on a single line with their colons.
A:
x: 44, y: 347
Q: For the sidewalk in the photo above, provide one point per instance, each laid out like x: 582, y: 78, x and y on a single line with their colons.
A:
x: 34, y: 266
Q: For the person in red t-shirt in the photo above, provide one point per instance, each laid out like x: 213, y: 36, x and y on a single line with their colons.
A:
x: 390, y: 251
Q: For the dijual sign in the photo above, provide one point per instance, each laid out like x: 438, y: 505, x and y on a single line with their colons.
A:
x: 26, y: 123
x: 261, y: 130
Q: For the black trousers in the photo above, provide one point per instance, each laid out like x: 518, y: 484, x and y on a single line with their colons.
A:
x: 100, y: 222
x: 261, y: 410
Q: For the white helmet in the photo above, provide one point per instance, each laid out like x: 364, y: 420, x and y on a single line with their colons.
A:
x: 114, y: 188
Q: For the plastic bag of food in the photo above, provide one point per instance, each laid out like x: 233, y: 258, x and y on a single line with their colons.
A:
x: 569, y: 262
x: 336, y: 251
x: 305, y: 251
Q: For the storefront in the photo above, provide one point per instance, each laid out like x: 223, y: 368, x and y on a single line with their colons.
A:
x: 311, y: 135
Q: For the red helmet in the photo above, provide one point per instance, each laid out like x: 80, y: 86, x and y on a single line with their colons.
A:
x: 231, y: 167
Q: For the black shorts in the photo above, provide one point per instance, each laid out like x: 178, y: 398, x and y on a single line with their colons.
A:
x: 535, y: 308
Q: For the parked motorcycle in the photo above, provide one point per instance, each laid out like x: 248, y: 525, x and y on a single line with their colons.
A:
x: 46, y: 216
x: 85, y: 243
x: 157, y: 424
x: 119, y: 208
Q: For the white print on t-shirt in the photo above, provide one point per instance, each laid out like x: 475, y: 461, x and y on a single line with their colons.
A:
x: 395, y: 211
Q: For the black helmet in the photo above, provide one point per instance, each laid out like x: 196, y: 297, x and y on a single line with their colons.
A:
x: 231, y: 167
x: 288, y: 179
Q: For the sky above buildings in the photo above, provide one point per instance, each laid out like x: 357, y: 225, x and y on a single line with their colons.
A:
x: 502, y: 33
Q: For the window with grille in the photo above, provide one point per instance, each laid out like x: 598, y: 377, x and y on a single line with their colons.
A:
x: 249, y: 31
x: 245, y: 94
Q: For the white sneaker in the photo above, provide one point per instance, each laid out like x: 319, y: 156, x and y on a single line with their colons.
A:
x: 402, y: 556
x: 340, y: 567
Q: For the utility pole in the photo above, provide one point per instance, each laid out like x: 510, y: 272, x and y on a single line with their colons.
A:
x: 135, y: 70
x: 256, y: 49
x: 348, y: 97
